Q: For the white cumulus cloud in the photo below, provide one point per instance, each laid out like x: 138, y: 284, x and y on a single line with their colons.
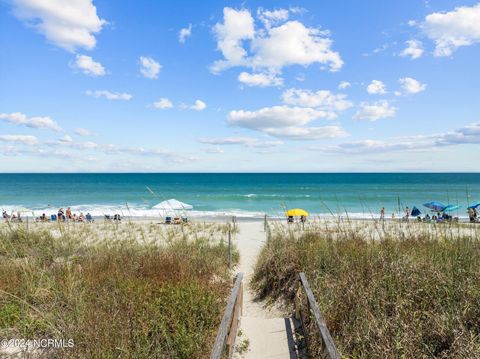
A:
x: 22, y: 139
x: 322, y: 99
x: 412, y: 86
x: 375, y: 111
x: 184, y: 33
x: 237, y: 26
x: 149, y: 67
x: 453, y: 29
x: 276, y: 116
x: 163, y: 103
x: 199, y: 105
x: 376, y: 87
x: 67, y: 24
x: 272, y: 47
x: 84, y: 132
x: 272, y: 17
x: 285, y: 122
x: 88, y: 66
x: 260, y: 79
x: 109, y: 95
x: 293, y: 43
x: 344, y: 85
x: 414, y: 49
x: 20, y: 119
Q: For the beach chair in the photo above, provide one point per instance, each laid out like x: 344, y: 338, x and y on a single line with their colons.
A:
x: 184, y: 220
x: 290, y: 219
x: 107, y: 217
x: 117, y: 218
x: 168, y: 220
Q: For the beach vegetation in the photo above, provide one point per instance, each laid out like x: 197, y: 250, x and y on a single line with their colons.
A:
x: 393, y: 290
x: 118, y: 290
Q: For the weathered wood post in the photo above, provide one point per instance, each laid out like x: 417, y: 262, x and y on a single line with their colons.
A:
x: 328, y: 348
x: 229, y: 247
x: 227, y: 332
x: 265, y: 223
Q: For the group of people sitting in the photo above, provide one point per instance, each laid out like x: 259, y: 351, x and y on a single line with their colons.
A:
x: 115, y: 218
x: 444, y: 217
x: 65, y: 216
x: 291, y: 219
x: 11, y: 218
x: 176, y: 220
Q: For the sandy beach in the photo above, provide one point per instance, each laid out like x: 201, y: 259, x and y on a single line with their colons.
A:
x: 154, y: 229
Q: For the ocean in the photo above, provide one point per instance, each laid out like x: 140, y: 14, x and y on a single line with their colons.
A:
x: 249, y: 195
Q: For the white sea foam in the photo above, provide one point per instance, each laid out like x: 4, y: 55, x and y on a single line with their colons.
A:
x: 140, y: 211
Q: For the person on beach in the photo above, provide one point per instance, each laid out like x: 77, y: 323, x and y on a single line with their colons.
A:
x: 382, y: 214
x: 69, y: 213
x: 89, y: 217
x: 470, y: 215
x: 407, y: 214
x: 81, y: 217
x: 60, y: 214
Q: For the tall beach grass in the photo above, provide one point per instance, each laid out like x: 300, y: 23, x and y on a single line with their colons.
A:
x: 393, y: 290
x: 119, y: 291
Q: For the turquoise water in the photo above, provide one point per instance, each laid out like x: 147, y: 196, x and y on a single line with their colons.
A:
x: 248, y: 195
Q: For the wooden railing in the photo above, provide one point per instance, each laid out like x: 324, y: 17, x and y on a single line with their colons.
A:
x: 227, y: 331
x: 327, y: 348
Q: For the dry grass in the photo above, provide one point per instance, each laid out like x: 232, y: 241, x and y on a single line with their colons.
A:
x: 146, y: 291
x: 403, y: 291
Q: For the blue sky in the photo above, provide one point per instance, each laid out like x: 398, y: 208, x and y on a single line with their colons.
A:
x: 106, y: 86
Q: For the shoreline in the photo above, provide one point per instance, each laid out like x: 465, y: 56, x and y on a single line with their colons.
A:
x: 244, y: 219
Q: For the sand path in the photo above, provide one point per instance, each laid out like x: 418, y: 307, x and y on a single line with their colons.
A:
x: 267, y: 329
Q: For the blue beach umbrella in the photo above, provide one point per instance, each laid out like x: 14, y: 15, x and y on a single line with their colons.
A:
x: 416, y: 212
x: 451, y: 208
x: 435, y: 206
x: 475, y: 205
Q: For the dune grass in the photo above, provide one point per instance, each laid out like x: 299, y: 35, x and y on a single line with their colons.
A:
x: 399, y: 291
x: 143, y: 292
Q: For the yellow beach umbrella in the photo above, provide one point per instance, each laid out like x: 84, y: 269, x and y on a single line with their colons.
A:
x: 297, y: 212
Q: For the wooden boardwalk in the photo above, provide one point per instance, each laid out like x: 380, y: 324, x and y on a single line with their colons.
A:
x: 269, y: 331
